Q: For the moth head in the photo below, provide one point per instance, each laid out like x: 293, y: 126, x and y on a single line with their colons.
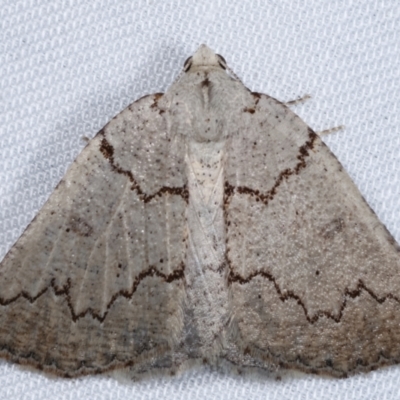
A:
x: 204, y: 57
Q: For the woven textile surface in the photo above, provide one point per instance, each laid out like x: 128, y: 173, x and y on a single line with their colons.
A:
x: 67, y: 67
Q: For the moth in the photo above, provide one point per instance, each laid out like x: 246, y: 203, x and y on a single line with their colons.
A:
x: 207, y: 224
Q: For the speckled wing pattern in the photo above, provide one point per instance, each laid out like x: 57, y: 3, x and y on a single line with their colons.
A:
x: 208, y: 223
x: 314, y: 275
x: 96, y: 280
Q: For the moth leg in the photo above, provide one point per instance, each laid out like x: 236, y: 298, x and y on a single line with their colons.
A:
x: 326, y: 132
x: 303, y: 99
x: 85, y: 139
x: 299, y: 100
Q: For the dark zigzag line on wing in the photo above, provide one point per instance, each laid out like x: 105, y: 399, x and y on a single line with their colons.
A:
x: 64, y: 290
x: 361, y: 286
x: 284, y: 175
x: 265, y: 198
x: 301, y: 364
x: 50, y: 365
x: 108, y: 152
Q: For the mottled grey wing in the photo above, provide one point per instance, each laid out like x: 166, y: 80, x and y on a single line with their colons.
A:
x: 96, y: 280
x: 314, y: 275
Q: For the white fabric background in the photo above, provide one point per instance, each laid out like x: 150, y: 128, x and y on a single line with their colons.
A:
x: 67, y: 67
